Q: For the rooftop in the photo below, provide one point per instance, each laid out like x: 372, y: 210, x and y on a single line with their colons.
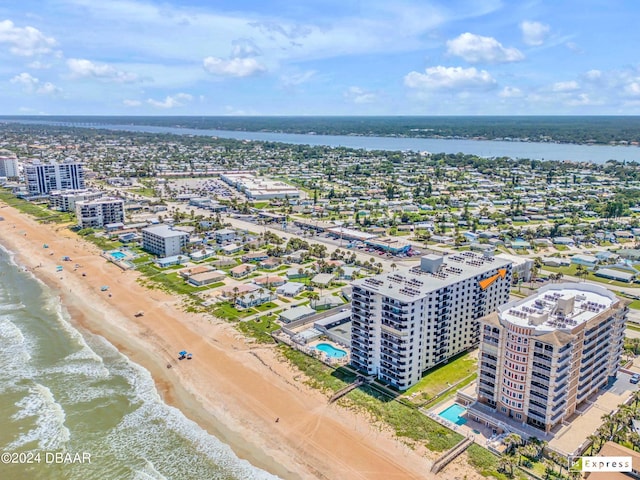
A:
x: 164, y: 231
x: 433, y: 273
x: 558, y: 306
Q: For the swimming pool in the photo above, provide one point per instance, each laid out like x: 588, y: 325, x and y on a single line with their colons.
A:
x: 117, y: 255
x: 331, y: 351
x: 454, y: 414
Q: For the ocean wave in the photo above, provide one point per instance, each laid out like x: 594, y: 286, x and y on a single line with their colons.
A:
x: 155, y: 428
x: 50, y: 431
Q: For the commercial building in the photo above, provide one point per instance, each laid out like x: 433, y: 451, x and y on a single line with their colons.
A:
x: 100, y: 212
x: 43, y: 177
x: 65, y: 200
x: 8, y: 166
x: 259, y: 188
x: 164, y: 241
x: 543, y: 356
x: 411, y: 320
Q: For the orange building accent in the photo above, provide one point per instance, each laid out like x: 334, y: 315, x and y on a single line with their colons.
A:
x: 488, y: 281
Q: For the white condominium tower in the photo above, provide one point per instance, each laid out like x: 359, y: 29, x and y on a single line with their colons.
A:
x: 542, y: 356
x: 44, y: 177
x: 408, y: 321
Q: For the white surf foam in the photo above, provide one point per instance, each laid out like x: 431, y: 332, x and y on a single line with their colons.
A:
x: 174, y: 444
x: 49, y: 432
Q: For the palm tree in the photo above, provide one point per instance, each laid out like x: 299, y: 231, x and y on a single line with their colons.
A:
x: 314, y: 297
x: 507, y: 462
x: 512, y: 441
x: 548, y: 469
x: 559, y: 460
x: 595, y: 443
x: 634, y: 439
x: 393, y: 267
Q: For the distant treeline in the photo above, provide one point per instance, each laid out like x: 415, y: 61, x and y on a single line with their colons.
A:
x: 561, y: 129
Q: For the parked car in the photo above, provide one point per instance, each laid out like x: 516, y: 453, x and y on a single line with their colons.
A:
x: 635, y: 378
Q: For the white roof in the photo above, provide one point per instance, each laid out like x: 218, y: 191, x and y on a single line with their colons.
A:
x: 411, y: 284
x: 558, y: 306
x: 164, y: 231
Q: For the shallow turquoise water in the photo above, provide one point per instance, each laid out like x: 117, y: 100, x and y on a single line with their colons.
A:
x: 331, y: 351
x: 454, y: 414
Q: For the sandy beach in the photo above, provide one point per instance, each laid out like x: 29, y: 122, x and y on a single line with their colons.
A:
x: 232, y: 388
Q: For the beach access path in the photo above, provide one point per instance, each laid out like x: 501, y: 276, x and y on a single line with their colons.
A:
x: 232, y: 388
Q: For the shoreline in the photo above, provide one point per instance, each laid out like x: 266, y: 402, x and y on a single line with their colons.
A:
x: 232, y: 388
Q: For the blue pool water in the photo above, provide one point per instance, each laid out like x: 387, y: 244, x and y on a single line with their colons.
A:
x: 330, y: 350
x: 118, y: 255
x: 453, y: 414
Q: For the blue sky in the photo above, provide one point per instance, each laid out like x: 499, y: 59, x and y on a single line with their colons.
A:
x: 333, y: 57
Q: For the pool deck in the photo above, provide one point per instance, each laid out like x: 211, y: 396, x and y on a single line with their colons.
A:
x: 332, y: 360
x: 481, y: 434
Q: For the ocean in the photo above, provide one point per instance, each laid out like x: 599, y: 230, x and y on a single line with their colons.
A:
x: 73, y: 407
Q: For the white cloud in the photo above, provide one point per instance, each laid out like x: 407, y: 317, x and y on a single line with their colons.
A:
x: 297, y: 78
x: 510, y: 92
x: 25, y: 41
x: 131, y: 103
x: 177, y: 100
x: 632, y: 89
x: 25, y: 79
x: 593, y: 75
x: 574, y: 47
x: 38, y: 65
x: 83, y: 68
x: 233, y: 67
x: 450, y: 78
x: 244, y: 48
x: 582, y: 100
x: 534, y: 33
x: 565, y: 86
x: 478, y: 49
x: 32, y: 84
x: 360, y: 96
x: 48, y: 88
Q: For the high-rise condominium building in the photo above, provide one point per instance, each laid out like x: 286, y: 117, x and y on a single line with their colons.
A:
x: 408, y: 321
x: 542, y: 356
x: 8, y: 166
x: 44, y: 177
x: 99, y: 212
x: 164, y: 241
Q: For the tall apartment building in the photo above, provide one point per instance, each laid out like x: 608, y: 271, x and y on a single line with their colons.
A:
x: 164, y: 241
x: 44, y: 177
x: 542, y: 356
x: 100, y: 212
x: 65, y: 200
x: 8, y: 166
x: 408, y: 321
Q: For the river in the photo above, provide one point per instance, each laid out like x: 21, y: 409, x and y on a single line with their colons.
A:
x: 482, y: 148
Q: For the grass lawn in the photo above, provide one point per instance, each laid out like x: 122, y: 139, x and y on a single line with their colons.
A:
x: 635, y: 305
x: 144, y: 191
x: 265, y: 306
x: 39, y: 211
x: 169, y: 281
x: 572, y: 269
x: 405, y: 421
x: 260, y: 328
x: 103, y: 243
x: 633, y: 327
x: 228, y: 312
x: 484, y: 461
x: 440, y: 378
x: 561, y: 248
